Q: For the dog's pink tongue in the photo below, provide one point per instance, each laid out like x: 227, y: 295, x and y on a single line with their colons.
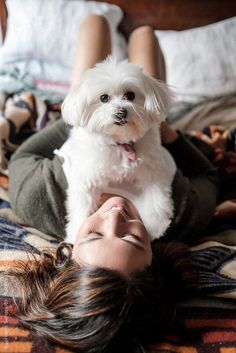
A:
x: 130, y: 149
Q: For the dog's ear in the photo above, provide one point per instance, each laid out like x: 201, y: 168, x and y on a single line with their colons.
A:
x: 74, y: 107
x: 158, y: 97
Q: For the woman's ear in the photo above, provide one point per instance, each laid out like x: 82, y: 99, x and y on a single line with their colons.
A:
x: 74, y: 107
x: 158, y: 97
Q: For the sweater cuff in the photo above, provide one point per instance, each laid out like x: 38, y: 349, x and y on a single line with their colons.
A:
x: 177, y: 145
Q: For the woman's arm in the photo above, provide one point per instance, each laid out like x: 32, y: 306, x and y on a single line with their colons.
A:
x: 195, y: 188
x: 38, y: 185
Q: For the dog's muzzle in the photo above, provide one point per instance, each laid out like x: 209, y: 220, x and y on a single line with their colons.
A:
x: 120, y: 117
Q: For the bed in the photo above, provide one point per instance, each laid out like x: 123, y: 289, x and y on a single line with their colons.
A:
x: 207, y: 321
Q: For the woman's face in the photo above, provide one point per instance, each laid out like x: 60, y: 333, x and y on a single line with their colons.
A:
x: 114, y: 237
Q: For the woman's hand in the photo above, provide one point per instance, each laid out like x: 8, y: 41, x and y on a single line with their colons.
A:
x: 168, y: 135
x: 218, y: 136
x: 226, y: 209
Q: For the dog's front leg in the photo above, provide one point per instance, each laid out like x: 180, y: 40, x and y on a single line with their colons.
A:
x: 156, y: 208
x: 81, y: 203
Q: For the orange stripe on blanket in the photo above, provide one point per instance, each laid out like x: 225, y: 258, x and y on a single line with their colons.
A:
x: 4, y: 181
x: 5, y: 265
x: 8, y: 263
x: 8, y: 320
x: 13, y: 331
x: 210, y: 323
x: 227, y: 350
x: 15, y: 347
x: 61, y: 350
x: 219, y: 336
x: 173, y: 348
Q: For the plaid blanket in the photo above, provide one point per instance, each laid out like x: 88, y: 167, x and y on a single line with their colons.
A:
x: 206, y: 323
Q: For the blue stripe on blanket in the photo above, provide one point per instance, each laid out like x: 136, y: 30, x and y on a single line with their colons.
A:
x: 4, y: 204
x: 12, y: 236
x: 210, y: 264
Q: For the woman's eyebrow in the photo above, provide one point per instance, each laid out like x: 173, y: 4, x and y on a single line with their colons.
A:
x: 137, y: 246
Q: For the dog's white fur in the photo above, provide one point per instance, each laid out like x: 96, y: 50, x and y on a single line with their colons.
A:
x: 94, y: 158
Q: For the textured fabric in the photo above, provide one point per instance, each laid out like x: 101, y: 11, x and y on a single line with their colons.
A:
x: 20, y: 118
x: 208, y: 329
x: 216, y: 266
x: 220, y: 112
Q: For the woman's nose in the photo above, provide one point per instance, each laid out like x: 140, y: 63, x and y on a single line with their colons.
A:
x: 115, y: 221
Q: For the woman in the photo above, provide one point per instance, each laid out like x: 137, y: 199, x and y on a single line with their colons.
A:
x: 114, y: 290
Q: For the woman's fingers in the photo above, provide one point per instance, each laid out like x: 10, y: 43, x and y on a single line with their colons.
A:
x: 218, y: 136
x: 226, y: 209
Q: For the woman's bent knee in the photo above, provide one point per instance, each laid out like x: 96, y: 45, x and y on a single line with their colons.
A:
x: 141, y: 32
x: 96, y: 21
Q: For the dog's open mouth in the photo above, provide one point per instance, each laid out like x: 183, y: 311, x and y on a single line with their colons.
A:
x: 129, y: 147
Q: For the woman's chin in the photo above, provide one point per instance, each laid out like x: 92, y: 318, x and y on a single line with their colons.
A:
x: 109, y: 201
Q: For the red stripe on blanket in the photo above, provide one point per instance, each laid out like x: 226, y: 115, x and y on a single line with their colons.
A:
x: 210, y: 323
x: 4, y: 319
x: 219, y: 336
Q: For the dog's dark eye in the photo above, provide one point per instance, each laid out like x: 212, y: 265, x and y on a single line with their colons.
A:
x: 129, y: 96
x: 104, y: 98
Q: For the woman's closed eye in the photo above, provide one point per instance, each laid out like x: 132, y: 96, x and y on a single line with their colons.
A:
x: 131, y: 235
x: 122, y: 236
x: 134, y: 239
x: 126, y: 235
x: 95, y: 233
x: 131, y: 238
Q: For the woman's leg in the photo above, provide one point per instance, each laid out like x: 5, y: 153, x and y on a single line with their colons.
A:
x: 144, y: 50
x: 93, y: 45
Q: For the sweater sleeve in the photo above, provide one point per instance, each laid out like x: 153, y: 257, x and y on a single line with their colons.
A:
x: 37, y: 184
x: 195, y: 191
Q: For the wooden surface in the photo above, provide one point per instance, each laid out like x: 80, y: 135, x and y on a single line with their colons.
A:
x: 3, y: 17
x: 173, y: 14
x: 163, y: 14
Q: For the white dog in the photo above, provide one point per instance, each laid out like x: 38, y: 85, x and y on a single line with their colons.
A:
x: 114, y: 145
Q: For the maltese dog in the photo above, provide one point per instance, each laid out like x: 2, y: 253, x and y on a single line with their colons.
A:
x: 115, y: 147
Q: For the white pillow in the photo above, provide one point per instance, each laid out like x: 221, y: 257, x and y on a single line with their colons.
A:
x: 41, y: 35
x: 201, y: 62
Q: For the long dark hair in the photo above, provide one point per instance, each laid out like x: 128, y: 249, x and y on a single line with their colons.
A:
x: 97, y: 309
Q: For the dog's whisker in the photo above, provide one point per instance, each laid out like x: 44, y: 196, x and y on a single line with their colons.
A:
x: 137, y: 113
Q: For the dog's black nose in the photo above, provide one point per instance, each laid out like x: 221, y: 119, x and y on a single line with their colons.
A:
x: 120, y: 116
